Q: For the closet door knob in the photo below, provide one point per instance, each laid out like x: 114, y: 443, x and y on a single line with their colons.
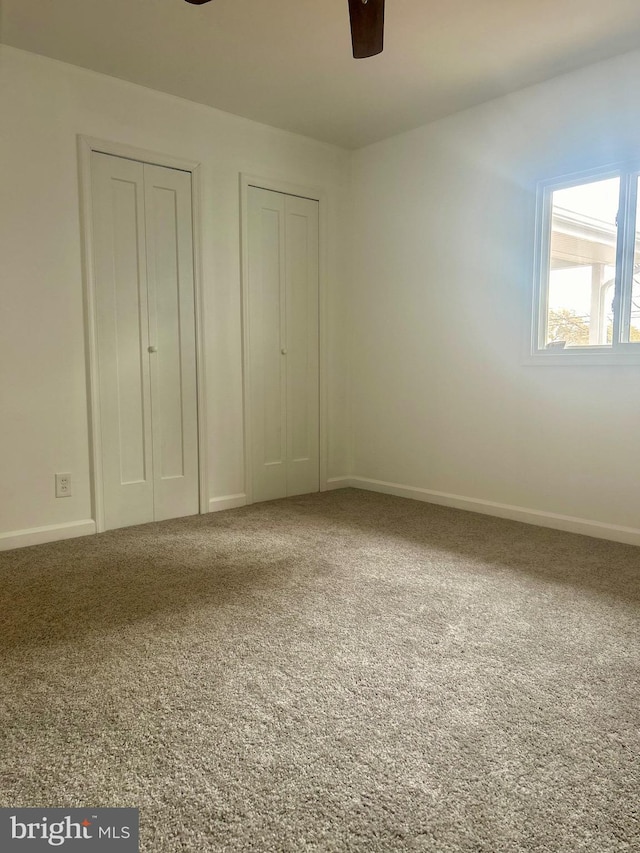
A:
x: 283, y: 350
x: 152, y: 349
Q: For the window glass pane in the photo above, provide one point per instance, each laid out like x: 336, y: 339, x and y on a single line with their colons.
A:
x: 582, y: 265
x: 634, y: 328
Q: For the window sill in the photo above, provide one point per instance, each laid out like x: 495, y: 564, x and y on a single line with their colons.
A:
x: 591, y: 356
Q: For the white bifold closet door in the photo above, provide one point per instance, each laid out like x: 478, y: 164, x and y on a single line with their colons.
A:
x: 283, y: 344
x: 144, y: 291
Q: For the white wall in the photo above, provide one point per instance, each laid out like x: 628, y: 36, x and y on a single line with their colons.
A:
x: 43, y: 394
x: 443, y: 400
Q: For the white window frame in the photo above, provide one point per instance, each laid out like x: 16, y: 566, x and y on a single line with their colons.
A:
x: 620, y: 351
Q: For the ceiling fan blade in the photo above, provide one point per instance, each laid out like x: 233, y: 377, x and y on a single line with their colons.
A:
x: 367, y: 27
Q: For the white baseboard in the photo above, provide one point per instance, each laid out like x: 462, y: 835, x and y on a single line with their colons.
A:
x: 587, y: 527
x: 227, y: 502
x: 337, y: 483
x: 571, y: 524
x: 49, y: 533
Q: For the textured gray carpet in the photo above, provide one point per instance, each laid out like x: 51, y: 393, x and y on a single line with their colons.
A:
x: 337, y: 672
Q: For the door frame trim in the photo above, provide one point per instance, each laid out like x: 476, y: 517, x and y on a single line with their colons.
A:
x: 315, y: 194
x: 86, y: 146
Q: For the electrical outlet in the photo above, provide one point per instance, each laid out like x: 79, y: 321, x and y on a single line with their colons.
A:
x: 63, y: 485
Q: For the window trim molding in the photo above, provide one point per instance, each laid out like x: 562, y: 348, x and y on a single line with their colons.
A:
x: 621, y: 353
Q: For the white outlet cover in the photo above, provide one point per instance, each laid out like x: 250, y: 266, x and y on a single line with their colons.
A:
x: 63, y: 485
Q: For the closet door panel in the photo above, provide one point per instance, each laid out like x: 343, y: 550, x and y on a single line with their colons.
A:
x: 122, y: 339
x: 172, y: 341
x: 302, y: 345
x: 267, y: 333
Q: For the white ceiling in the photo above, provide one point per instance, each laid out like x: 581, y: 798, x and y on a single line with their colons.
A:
x: 288, y: 63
